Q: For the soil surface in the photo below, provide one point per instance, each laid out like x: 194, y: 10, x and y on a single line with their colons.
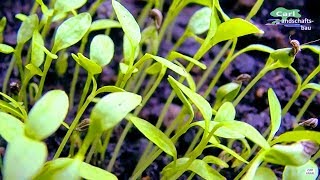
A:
x: 252, y: 109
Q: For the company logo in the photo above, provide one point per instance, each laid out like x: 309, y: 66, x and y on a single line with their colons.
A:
x: 289, y: 18
x: 310, y: 171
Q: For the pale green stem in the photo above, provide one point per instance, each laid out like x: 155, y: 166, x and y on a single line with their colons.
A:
x: 93, y: 8
x: 76, y: 72
x: 144, y: 13
x: 46, y: 68
x: 213, y: 64
x: 85, y: 90
x: 156, y: 151
x: 306, y: 105
x: 136, y: 112
x: 92, y: 149
x: 251, y: 84
x: 105, y: 145
x: 76, y: 120
x: 8, y: 74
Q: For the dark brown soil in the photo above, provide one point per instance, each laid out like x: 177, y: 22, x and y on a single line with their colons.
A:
x: 252, y: 109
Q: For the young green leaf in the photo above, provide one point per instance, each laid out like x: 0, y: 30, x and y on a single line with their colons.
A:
x: 248, y: 131
x: 275, y: 113
x: 61, y: 168
x: 44, y: 8
x: 214, y: 160
x: 47, y: 114
x: 155, y: 68
x: 9, y: 108
x: 6, y: 49
x: 3, y: 23
x: 174, y: 55
x: 15, y: 104
x: 264, y: 173
x: 34, y: 70
x: 223, y: 132
x: 293, y: 136
x: 308, y: 171
x: 225, y: 113
x: 229, y: 29
x: 37, y: 54
x: 101, y: 24
x: 124, y: 68
x: 101, y: 50
x: 226, y: 93
x: 284, y: 56
x: 66, y: 6
x: 25, y: 156
x: 128, y: 23
x: 168, y: 64
x: 234, y: 28
x: 112, y: 108
x: 230, y: 151
x: 127, y: 50
x: 203, y: 105
x: 292, y: 154
x: 71, y: 31
x: 28, y: 26
x: 197, y: 166
x: 181, y: 96
x: 154, y: 135
x: 200, y: 21
x: 87, y: 64
x: 90, y: 172
x: 10, y: 127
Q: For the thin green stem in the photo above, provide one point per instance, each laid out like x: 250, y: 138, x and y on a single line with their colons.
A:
x: 311, y: 75
x: 173, y: 11
x: 90, y: 137
x: 92, y: 149
x: 136, y: 112
x: 76, y: 73
x: 85, y: 90
x: 76, y: 119
x: 194, y: 141
x: 290, y: 102
x: 180, y: 41
x: 105, y: 144
x: 254, y: 163
x: 213, y: 64
x: 306, y: 105
x: 144, y: 13
x: 251, y: 84
x: 156, y: 151
x: 22, y: 93
x: 46, y: 68
x: 47, y: 26
x: 118, y: 146
x: 93, y: 8
x: 254, y: 9
x: 8, y: 74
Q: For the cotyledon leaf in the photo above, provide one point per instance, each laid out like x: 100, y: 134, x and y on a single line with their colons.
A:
x: 112, y: 108
x: 154, y: 135
x: 71, y: 31
x: 47, y: 114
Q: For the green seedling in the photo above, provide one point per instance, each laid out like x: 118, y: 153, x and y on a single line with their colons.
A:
x: 215, y: 120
